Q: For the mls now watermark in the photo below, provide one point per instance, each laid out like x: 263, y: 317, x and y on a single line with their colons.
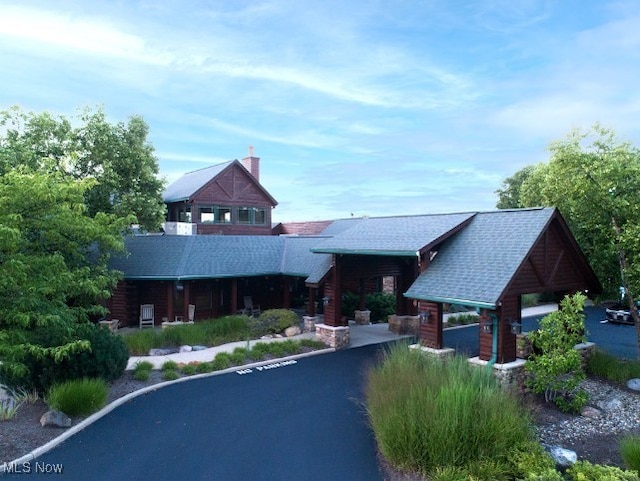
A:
x: 38, y: 467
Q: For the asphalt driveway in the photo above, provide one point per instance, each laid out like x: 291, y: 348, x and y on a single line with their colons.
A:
x: 301, y: 421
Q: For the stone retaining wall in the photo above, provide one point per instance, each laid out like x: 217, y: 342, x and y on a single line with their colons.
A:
x: 402, y: 325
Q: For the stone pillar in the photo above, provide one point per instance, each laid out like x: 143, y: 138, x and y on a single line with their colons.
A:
x: 443, y: 353
x: 363, y: 317
x: 309, y: 323
x: 510, y: 374
x: 336, y: 337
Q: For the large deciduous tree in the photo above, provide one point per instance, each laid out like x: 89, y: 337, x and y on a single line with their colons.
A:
x: 509, y: 193
x: 117, y: 156
x: 53, y: 260
x: 594, y: 179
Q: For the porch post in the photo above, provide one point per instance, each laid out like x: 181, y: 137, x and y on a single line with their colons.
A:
x: 186, y: 297
x: 234, y: 296
x: 169, y: 300
x: 311, y: 308
x: 286, y: 292
x: 363, y: 294
x: 430, y: 324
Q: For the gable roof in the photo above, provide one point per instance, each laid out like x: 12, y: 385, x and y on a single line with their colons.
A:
x: 190, y: 183
x: 395, y: 236
x: 475, y: 266
x: 214, y: 257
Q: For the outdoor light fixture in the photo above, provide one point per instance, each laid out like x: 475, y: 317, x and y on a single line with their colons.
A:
x: 424, y: 316
x: 487, y: 326
x: 326, y: 300
x: 179, y: 286
x: 516, y: 327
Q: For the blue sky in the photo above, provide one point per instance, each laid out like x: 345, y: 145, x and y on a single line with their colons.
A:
x: 355, y: 107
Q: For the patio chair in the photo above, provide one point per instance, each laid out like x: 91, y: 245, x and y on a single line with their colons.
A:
x: 147, y: 318
x: 249, y: 308
x: 192, y: 313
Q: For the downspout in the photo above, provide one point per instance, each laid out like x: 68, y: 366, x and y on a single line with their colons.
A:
x: 494, y: 340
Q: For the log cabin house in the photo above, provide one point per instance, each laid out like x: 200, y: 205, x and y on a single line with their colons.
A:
x: 224, y: 249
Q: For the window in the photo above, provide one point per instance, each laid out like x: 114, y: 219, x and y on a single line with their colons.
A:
x: 184, y: 214
x: 252, y: 215
x: 223, y: 215
x: 205, y: 215
x: 244, y: 215
x: 259, y: 216
x: 213, y: 214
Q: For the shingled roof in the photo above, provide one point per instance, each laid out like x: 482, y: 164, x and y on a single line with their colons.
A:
x: 391, y: 236
x: 191, y: 182
x: 475, y: 266
x: 215, y: 257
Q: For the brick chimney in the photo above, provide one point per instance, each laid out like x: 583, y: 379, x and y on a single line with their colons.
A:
x: 252, y: 164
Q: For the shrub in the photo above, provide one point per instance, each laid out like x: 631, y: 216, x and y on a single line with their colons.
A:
x: 143, y: 366
x: 238, y: 356
x: 204, y: 367
x: 630, y: 452
x: 555, y: 367
x: 273, y: 321
x: 78, y: 397
x: 106, y: 359
x: 142, y: 375
x: 169, y: 366
x: 470, y: 418
x: 221, y: 361
x: 463, y: 319
x: 529, y: 459
x: 380, y: 304
x: 585, y: 471
x: 170, y: 374
x: 189, y: 369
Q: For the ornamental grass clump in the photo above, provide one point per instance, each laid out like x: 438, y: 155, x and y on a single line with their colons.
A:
x: 427, y: 414
x: 78, y: 397
x: 630, y: 452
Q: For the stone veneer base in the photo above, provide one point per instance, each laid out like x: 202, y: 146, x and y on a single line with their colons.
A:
x: 309, y: 323
x: 337, y: 337
x: 362, y: 318
x: 439, y: 353
x: 510, y: 374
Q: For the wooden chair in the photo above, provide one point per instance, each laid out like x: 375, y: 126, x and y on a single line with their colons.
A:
x: 147, y: 318
x: 249, y: 308
x: 192, y: 313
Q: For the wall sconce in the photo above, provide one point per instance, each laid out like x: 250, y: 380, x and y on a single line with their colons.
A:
x: 424, y: 316
x: 179, y: 286
x: 325, y: 301
x: 487, y: 326
x: 516, y: 327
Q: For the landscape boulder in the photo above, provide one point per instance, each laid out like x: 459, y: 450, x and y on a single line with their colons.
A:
x: 564, y: 458
x: 55, y: 419
x: 634, y: 384
x: 292, y: 331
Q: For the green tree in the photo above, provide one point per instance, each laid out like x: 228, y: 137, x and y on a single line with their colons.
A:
x: 509, y: 193
x: 594, y: 180
x: 53, y: 261
x: 117, y: 156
